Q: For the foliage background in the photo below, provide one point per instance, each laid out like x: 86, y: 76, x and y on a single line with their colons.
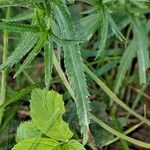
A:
x: 116, y: 49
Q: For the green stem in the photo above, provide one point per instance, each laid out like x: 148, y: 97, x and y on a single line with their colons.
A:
x: 4, y: 73
x: 120, y: 135
x: 113, y: 96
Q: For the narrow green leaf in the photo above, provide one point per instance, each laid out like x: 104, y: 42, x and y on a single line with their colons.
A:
x: 73, y: 63
x: 47, y: 108
x: 48, y: 62
x: 103, y: 34
x: 87, y: 26
x: 18, y: 96
x: 7, y: 3
x: 17, y: 27
x: 32, y: 54
x: 142, y: 49
x: 27, y: 41
x: 115, y: 28
x: 20, y: 17
x: 125, y: 64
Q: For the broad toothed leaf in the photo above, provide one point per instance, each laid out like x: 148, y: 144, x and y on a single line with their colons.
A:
x: 27, y: 130
x: 47, y: 108
x: 38, y: 144
x: 73, y: 145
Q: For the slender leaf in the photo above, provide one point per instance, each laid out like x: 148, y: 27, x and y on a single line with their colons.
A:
x: 32, y: 54
x: 125, y: 64
x: 17, y: 27
x: 48, y: 62
x: 142, y: 46
x: 27, y: 41
x: 114, y: 27
x: 20, y: 17
x: 73, y: 63
x: 103, y: 34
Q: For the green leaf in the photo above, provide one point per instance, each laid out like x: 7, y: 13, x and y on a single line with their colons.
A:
x: 27, y: 41
x: 20, y: 17
x: 125, y: 64
x: 103, y: 34
x: 73, y: 145
x: 142, y: 46
x: 115, y: 28
x: 87, y: 26
x: 18, y: 96
x: 73, y: 64
x: 40, y: 144
x: 17, y: 27
x: 32, y: 54
x: 47, y: 108
x: 7, y: 3
x: 48, y: 62
x: 27, y: 130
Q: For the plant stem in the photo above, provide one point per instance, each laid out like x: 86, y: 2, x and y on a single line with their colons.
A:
x: 4, y: 73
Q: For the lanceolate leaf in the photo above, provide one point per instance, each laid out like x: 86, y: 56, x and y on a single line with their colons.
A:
x: 17, y: 27
x: 28, y: 40
x: 47, y: 108
x: 32, y: 54
x: 103, y: 34
x: 6, y: 3
x: 114, y: 27
x: 125, y: 64
x: 19, y: 17
x: 48, y: 62
x: 87, y: 26
x: 73, y: 63
x: 142, y: 52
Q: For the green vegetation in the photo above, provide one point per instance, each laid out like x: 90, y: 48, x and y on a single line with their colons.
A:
x: 95, y: 53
